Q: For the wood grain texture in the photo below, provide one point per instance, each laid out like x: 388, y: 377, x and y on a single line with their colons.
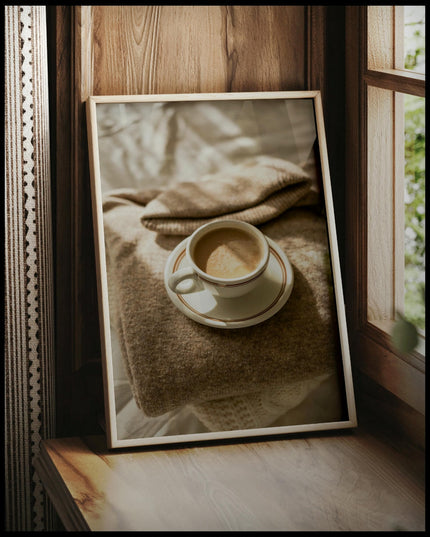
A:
x: 395, y: 374
x: 59, y: 28
x: 402, y: 81
x: 380, y: 52
x: 355, y: 170
x: 328, y: 483
x: 194, y: 49
x: 62, y: 501
x: 316, y: 50
x: 380, y: 205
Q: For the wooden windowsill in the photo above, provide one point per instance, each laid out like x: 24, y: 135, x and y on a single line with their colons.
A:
x: 350, y: 481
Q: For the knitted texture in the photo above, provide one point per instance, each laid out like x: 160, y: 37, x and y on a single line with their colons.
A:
x: 257, y: 190
x: 255, y: 410
x: 172, y: 361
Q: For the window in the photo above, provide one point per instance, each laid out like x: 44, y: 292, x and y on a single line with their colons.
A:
x: 414, y: 231
x: 385, y: 190
x: 395, y: 166
x: 414, y: 37
x: 414, y: 173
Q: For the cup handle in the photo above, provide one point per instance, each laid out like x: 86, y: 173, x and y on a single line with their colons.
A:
x: 184, y: 274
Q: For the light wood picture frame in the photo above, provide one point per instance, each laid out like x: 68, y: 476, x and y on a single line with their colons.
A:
x: 276, y: 362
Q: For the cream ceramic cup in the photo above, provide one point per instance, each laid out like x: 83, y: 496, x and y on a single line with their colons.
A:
x: 225, y: 257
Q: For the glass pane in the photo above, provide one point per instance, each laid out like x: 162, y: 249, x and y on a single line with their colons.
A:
x: 414, y: 38
x: 414, y: 307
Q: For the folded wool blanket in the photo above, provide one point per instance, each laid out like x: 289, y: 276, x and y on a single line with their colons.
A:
x: 173, y: 361
x: 256, y: 191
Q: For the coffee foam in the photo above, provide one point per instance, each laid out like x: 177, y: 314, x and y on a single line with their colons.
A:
x: 227, y: 253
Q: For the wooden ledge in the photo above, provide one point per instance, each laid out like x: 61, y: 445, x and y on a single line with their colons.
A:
x: 346, y: 481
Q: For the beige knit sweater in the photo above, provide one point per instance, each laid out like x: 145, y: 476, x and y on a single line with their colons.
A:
x: 231, y: 378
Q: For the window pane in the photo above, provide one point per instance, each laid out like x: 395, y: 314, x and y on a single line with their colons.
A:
x: 414, y: 38
x: 414, y: 304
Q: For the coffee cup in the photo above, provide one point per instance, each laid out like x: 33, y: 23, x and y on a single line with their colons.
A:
x: 225, y: 257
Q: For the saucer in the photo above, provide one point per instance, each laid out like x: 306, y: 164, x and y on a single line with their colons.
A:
x: 253, y: 308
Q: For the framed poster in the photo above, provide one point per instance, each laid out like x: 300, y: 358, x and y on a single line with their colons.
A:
x: 195, y: 364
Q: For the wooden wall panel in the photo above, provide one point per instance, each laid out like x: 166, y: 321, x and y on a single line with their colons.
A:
x: 188, y: 49
x: 108, y: 50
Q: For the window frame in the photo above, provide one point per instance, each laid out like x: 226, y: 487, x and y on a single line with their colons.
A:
x: 372, y: 353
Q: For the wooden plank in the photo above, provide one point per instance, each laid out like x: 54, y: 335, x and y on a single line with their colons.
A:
x: 405, y: 426
x: 195, y: 49
x: 347, y: 482
x: 355, y: 186
x: 380, y: 204
x: 59, y: 494
x: 58, y: 26
x: 380, y: 37
x: 395, y: 374
x: 316, y: 51
x: 401, y: 81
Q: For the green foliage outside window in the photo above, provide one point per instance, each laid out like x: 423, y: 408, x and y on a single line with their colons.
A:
x: 404, y: 334
x: 415, y: 172
x: 415, y: 210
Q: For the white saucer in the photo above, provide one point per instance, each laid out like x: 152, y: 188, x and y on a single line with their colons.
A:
x: 253, y: 308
